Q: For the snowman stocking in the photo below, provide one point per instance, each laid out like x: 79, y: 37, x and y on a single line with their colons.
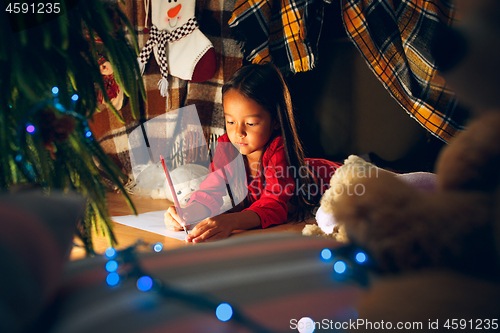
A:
x: 180, y: 48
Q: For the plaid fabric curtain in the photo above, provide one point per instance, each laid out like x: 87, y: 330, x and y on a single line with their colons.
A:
x: 284, y: 32
x: 395, y: 37
x: 212, y: 16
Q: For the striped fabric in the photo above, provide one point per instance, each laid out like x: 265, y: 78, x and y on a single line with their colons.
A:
x: 395, y: 37
x: 283, y: 32
x: 212, y: 16
x: 271, y: 278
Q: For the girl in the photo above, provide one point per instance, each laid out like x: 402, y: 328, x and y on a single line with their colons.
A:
x: 259, y: 121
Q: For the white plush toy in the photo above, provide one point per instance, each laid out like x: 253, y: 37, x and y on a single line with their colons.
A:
x: 187, y: 178
x: 342, y: 183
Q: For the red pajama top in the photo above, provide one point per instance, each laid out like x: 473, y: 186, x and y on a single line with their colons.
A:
x: 269, y: 198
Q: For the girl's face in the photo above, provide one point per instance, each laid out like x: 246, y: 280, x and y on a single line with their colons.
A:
x: 248, y: 124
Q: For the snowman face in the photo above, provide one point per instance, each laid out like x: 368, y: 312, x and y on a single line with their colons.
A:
x: 171, y: 14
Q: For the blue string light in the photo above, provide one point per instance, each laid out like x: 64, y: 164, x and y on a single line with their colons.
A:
x: 111, y: 266
x: 112, y: 279
x: 144, y: 283
x: 340, y: 267
x: 326, y: 254
x: 352, y: 263
x: 224, y: 312
x: 158, y: 247
x: 25, y: 126
x: 110, y: 253
x: 60, y: 107
x: 360, y: 257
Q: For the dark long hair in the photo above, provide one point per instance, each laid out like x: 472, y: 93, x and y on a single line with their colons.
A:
x: 264, y: 84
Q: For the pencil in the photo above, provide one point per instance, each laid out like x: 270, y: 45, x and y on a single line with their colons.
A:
x: 174, y: 195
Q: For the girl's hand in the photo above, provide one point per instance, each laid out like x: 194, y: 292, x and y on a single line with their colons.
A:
x: 212, y: 228
x: 222, y: 226
x: 172, y: 219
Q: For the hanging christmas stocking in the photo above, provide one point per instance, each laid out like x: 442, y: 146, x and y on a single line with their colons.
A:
x: 180, y: 48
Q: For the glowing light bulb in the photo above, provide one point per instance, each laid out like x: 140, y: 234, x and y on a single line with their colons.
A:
x: 360, y: 257
x: 88, y: 134
x: 306, y: 325
x: 111, y: 266
x: 75, y: 97
x: 110, y: 253
x: 112, y: 279
x: 158, y: 247
x: 340, y: 267
x: 224, y: 312
x: 55, y: 90
x: 144, y: 283
x: 326, y: 254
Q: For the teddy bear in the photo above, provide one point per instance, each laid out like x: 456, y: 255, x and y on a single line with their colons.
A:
x: 455, y: 225
x: 355, y: 166
x: 404, y: 227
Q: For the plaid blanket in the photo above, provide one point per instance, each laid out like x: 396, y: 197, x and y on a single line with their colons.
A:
x: 395, y: 36
x: 283, y: 32
x: 212, y: 16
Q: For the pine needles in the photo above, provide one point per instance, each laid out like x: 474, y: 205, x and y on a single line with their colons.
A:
x: 62, y: 52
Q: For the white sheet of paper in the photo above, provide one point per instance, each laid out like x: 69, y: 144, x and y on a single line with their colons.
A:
x: 152, y: 222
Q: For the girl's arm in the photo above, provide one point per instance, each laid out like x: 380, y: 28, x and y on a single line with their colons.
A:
x: 226, y: 168
x: 223, y: 225
x: 270, y: 208
x: 208, y: 199
x: 280, y: 186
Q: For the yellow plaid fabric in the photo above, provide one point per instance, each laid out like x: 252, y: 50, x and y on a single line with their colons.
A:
x: 284, y: 32
x: 395, y: 37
